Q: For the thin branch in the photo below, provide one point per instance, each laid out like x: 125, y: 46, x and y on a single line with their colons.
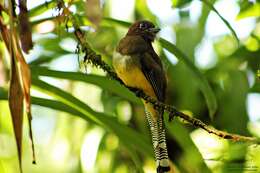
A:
x: 92, y: 57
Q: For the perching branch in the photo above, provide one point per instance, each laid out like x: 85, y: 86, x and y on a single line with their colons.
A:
x: 95, y: 59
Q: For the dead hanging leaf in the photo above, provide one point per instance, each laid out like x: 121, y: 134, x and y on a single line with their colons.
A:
x: 94, y: 11
x: 16, y: 108
x: 25, y: 81
x: 4, y: 33
x: 25, y: 30
x: 19, y: 87
x: 15, y: 93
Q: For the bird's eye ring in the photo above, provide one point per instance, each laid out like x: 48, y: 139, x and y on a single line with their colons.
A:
x: 142, y: 26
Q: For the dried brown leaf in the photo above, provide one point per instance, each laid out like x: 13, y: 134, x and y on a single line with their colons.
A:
x: 25, y: 74
x: 94, y: 11
x: 19, y: 87
x: 16, y: 108
x: 15, y: 93
x: 25, y: 27
x: 4, y: 33
x: 25, y: 80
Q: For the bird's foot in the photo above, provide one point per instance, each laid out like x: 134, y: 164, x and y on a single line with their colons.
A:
x: 171, y: 116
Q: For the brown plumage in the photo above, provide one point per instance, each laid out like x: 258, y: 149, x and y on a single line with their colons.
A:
x: 138, y: 66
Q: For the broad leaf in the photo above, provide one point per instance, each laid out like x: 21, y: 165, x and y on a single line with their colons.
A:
x: 131, y: 139
x: 116, y: 21
x: 249, y: 9
x: 203, y: 83
x: 106, y: 121
x: 42, y: 8
x: 101, y: 81
x: 211, y: 6
x: 182, y: 136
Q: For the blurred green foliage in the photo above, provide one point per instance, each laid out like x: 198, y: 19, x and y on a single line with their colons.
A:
x: 90, y: 123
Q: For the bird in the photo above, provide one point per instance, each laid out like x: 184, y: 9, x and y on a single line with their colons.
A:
x: 138, y: 66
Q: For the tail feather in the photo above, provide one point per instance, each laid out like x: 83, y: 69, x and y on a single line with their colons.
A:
x: 159, y: 141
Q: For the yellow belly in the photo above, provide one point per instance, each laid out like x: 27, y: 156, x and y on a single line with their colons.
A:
x: 129, y: 71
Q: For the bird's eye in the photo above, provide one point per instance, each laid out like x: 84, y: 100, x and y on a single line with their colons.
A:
x: 142, y: 26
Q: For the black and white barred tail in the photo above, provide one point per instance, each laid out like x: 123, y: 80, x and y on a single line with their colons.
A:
x: 159, y: 142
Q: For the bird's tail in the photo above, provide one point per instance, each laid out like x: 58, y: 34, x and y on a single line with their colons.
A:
x: 159, y: 141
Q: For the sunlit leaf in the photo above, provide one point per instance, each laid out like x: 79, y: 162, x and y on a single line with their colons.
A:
x: 42, y: 8
x: 143, y: 12
x: 180, y: 3
x: 38, y: 21
x: 182, y: 92
x: 43, y: 59
x: 203, y: 83
x: 115, y: 21
x: 101, y: 81
x: 131, y: 139
x: 251, y: 10
x: 211, y: 6
x: 127, y: 135
x: 184, y: 140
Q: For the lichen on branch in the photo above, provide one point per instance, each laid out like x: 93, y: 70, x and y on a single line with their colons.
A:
x: 91, y: 57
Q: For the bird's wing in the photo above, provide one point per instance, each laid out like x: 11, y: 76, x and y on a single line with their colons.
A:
x: 154, y: 74
x: 153, y: 71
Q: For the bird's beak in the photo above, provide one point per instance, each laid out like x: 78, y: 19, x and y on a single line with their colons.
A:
x: 154, y: 30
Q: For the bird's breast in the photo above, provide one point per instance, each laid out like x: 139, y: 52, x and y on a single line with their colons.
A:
x: 122, y: 62
x: 128, y: 69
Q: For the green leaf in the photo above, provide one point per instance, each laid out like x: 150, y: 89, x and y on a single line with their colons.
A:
x: 180, y: 3
x: 43, y: 59
x: 222, y: 18
x: 137, y: 140
x: 130, y: 138
x: 136, y: 159
x: 203, y: 83
x: 191, y: 153
x: 256, y: 86
x: 42, y: 8
x: 143, y: 12
x: 124, y: 133
x: 116, y: 21
x: 101, y: 81
x: 235, y: 94
x: 253, y: 10
x: 38, y: 21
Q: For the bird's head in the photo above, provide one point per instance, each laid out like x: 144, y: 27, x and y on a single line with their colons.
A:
x: 145, y: 29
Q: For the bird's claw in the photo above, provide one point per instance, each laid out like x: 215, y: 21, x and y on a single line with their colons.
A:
x: 171, y: 116
x: 135, y: 90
